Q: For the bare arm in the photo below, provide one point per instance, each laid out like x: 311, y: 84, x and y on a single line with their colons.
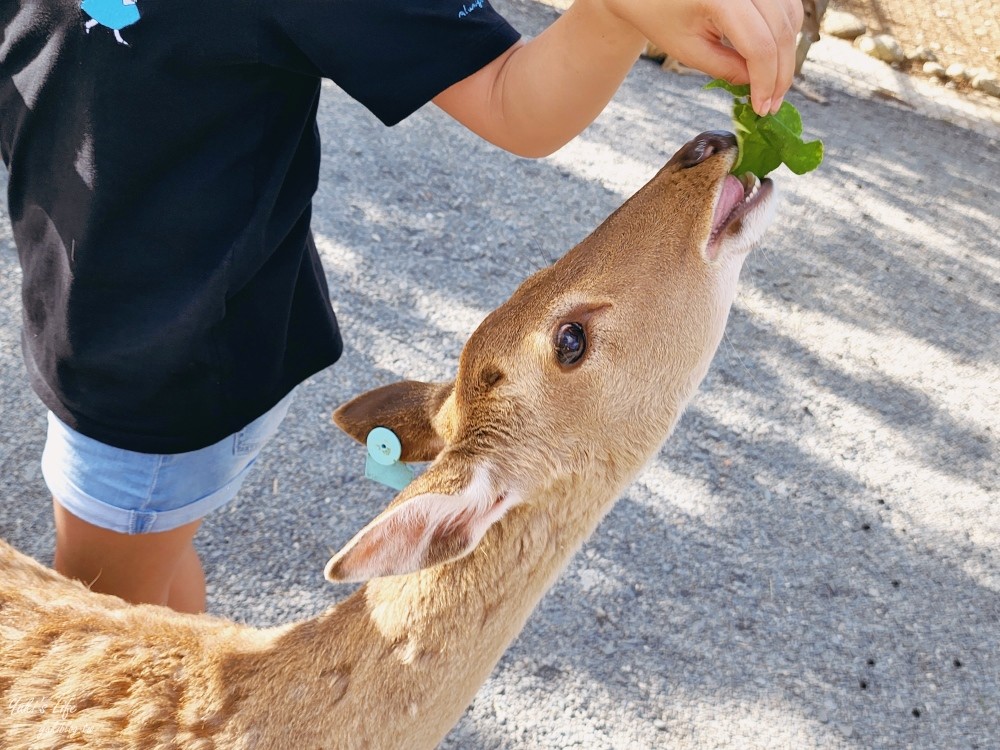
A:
x: 543, y: 92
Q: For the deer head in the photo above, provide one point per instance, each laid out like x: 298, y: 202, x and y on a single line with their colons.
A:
x: 582, y: 373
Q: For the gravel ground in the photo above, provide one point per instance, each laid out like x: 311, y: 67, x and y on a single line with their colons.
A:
x: 812, y: 561
x: 964, y: 31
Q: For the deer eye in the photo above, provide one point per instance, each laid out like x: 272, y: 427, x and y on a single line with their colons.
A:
x: 571, y: 343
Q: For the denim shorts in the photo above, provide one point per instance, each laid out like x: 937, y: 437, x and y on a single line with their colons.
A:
x: 137, y: 493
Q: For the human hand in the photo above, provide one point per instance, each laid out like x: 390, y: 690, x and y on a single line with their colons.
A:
x: 742, y: 41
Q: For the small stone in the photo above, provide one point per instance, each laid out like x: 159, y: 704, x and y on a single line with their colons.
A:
x: 589, y: 579
x: 935, y: 69
x: 843, y: 25
x: 883, y: 47
x: 956, y: 72
x: 922, y: 54
x: 987, y: 83
x: 892, y: 49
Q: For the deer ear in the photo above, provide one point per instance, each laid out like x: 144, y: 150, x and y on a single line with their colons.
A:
x: 407, y: 408
x: 423, y: 531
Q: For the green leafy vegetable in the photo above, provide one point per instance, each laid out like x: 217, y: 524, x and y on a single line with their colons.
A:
x: 772, y: 140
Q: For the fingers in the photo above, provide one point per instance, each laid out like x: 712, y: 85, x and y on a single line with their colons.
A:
x: 783, y: 19
x: 763, y: 32
x: 715, y: 59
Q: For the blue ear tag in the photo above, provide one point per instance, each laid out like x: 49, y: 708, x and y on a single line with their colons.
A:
x: 382, y: 464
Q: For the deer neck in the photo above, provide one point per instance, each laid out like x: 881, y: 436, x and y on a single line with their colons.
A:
x: 413, y: 650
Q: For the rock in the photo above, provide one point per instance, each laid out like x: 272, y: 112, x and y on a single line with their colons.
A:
x: 935, y: 69
x: 892, y: 49
x: 922, y: 54
x: 843, y: 25
x: 589, y: 579
x: 956, y: 72
x: 882, y: 47
x: 987, y: 83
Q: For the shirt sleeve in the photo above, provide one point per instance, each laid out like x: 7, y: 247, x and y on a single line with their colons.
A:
x: 393, y: 56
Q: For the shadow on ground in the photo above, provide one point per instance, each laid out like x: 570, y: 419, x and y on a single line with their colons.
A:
x: 810, y: 562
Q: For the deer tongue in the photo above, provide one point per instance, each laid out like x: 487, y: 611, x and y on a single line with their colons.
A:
x: 732, y: 195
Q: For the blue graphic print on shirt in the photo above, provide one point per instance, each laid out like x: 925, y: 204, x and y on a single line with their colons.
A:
x: 113, y: 14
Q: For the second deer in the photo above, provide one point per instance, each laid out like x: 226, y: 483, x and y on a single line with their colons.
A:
x: 562, y: 395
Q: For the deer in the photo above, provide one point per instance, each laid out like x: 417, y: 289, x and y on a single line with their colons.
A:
x: 562, y: 395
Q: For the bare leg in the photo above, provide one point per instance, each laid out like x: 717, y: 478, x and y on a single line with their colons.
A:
x: 187, y: 589
x: 158, y: 568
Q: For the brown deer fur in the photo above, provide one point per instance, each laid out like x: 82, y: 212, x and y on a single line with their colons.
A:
x: 529, y: 454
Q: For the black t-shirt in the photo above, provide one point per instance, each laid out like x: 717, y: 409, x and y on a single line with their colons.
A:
x: 162, y: 159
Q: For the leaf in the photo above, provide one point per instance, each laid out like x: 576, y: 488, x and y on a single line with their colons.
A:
x: 767, y: 142
x: 756, y: 156
x: 806, y: 158
x: 744, y: 117
x: 732, y: 88
x: 788, y: 116
x: 798, y: 156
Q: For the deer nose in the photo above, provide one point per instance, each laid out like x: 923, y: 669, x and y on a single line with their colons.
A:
x: 703, y: 146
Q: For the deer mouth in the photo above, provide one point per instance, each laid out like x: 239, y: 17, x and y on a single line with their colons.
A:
x: 741, y: 200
